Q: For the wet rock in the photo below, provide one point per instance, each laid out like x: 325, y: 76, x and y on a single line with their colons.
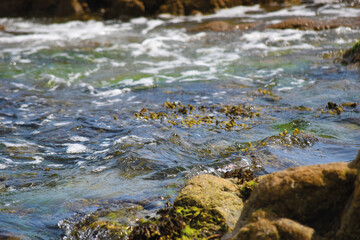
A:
x: 221, y: 26
x: 350, y: 222
x: 217, y: 197
x: 304, y: 24
x: 125, y: 8
x: 206, y: 207
x: 185, y: 7
x: 272, y: 5
x: 40, y: 8
x: 302, y: 202
x: 66, y: 8
x: 352, y: 56
x: 105, y: 223
x: 11, y: 8
x: 317, y: 25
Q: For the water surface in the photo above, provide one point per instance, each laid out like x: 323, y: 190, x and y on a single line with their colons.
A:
x: 70, y: 141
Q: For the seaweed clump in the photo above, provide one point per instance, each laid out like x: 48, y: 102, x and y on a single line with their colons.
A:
x: 228, y: 117
x: 176, y: 222
x: 337, y: 109
x: 352, y: 56
x: 168, y: 225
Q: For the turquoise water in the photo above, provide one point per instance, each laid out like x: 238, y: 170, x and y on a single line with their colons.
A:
x: 70, y: 141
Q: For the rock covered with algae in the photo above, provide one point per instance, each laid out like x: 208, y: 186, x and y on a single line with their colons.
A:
x: 352, y: 56
x: 206, y: 208
x: 218, y: 197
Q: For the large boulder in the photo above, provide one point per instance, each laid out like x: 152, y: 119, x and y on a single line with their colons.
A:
x: 125, y: 8
x: 188, y: 7
x: 303, y: 203
x: 350, y: 222
x: 40, y: 8
x: 217, y: 197
x: 12, y: 8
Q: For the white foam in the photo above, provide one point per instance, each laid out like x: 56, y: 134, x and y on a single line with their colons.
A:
x: 37, y: 160
x: 285, y: 88
x: 75, y: 148
x: 3, y: 166
x: 110, y: 93
x: 152, y: 24
x: 99, y: 169
x: 56, y: 165
x: 79, y: 139
x: 148, y: 81
x: 15, y: 145
x: 133, y: 139
x: 60, y: 124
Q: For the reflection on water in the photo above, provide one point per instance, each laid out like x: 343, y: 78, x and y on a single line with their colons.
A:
x: 83, y: 122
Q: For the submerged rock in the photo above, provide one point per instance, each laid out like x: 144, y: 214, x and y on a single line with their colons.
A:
x: 352, y: 56
x: 317, y: 25
x: 306, y: 202
x: 221, y: 26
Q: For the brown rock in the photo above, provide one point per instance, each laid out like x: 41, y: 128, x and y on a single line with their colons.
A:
x: 289, y: 229
x: 12, y: 8
x: 267, y: 227
x: 67, y: 8
x: 187, y: 7
x: 125, y: 8
x: 304, y: 24
x: 271, y: 5
x: 215, y: 195
x: 350, y: 224
x: 313, y: 197
x: 216, y: 26
x: 317, y: 25
x: 40, y: 8
x: 221, y: 26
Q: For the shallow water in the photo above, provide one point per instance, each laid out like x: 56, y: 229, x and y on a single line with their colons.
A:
x: 70, y: 142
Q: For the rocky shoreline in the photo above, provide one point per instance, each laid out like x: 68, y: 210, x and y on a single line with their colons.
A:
x: 307, y: 202
x: 112, y: 9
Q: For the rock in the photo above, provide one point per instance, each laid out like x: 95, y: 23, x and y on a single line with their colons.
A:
x: 304, y: 24
x: 350, y: 222
x: 12, y: 8
x: 301, y: 202
x: 217, y: 196
x: 125, y: 8
x: 271, y: 5
x: 317, y: 25
x: 221, y: 26
x: 40, y: 8
x: 186, y: 7
x: 352, y: 56
x: 266, y: 228
x: 67, y: 8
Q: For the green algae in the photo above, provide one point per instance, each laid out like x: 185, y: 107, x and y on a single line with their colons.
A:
x: 177, y: 222
x: 228, y: 117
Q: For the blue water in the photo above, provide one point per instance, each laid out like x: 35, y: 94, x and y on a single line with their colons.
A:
x: 70, y: 143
